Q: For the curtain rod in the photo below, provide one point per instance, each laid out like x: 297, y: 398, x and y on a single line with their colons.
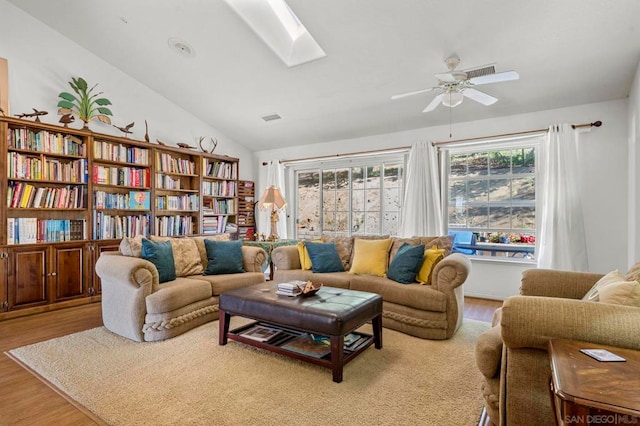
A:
x: 402, y: 148
x: 324, y: 157
x: 527, y: 132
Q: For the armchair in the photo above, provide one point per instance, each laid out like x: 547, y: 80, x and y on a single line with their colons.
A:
x: 512, y: 356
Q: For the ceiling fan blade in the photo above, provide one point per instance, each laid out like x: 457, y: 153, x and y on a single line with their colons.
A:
x: 434, y: 103
x: 495, y: 78
x: 403, y: 95
x: 447, y: 77
x: 478, y: 96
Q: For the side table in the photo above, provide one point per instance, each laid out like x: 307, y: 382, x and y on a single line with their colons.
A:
x: 585, y: 391
x: 268, y: 247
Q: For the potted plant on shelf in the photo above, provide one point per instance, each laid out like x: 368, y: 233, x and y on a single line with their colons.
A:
x: 85, y: 104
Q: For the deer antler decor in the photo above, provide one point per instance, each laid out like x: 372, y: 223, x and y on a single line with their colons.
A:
x: 214, y: 144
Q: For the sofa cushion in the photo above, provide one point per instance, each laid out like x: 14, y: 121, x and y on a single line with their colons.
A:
x: 618, y: 291
x: 199, y: 239
x: 160, y: 254
x: 176, y: 294
x: 488, y: 352
x: 344, y: 246
x: 370, y: 257
x: 406, y: 263
x: 333, y: 279
x: 633, y: 274
x: 324, y: 257
x: 445, y: 242
x: 223, y: 257
x: 131, y: 246
x: 399, y: 242
x: 417, y: 296
x: 222, y: 282
x: 432, y: 256
x: 305, y: 260
x: 186, y: 257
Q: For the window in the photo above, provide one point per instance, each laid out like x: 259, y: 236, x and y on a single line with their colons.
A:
x: 492, y: 193
x: 358, y: 196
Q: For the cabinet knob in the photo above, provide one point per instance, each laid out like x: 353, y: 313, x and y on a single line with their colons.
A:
x: 53, y: 274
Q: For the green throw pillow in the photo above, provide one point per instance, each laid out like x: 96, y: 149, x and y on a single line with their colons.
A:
x: 406, y: 263
x: 324, y: 257
x: 224, y: 257
x: 161, y: 255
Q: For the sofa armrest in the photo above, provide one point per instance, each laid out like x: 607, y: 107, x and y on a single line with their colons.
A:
x: 253, y: 258
x: 126, y: 282
x: 450, y: 272
x: 554, y: 283
x: 286, y: 257
x: 530, y: 321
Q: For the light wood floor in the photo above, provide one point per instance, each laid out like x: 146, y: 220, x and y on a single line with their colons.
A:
x: 25, y: 400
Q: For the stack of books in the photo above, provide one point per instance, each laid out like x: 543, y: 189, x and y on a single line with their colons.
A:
x: 292, y: 288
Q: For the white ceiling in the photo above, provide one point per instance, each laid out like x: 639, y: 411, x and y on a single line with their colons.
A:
x: 567, y: 52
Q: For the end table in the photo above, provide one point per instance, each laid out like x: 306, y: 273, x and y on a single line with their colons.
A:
x: 585, y: 391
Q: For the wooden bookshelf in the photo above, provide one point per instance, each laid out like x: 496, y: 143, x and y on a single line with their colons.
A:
x: 73, y: 194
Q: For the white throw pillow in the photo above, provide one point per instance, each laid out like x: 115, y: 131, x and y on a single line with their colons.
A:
x: 615, y: 289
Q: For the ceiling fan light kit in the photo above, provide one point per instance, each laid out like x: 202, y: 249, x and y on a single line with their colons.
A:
x: 455, y: 85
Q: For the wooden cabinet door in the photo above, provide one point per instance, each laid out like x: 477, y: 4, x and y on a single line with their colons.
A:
x: 98, y: 249
x: 68, y: 265
x: 27, y: 278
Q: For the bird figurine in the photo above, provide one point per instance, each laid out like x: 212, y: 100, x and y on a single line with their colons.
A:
x: 160, y: 142
x: 35, y: 114
x: 146, y: 132
x: 185, y: 145
x: 66, y: 119
x: 126, y: 129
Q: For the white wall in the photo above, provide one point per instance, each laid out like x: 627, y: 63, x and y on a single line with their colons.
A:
x: 634, y: 170
x: 41, y: 62
x: 604, y: 179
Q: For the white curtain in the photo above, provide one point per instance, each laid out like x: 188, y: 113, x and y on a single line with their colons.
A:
x: 561, y: 237
x: 275, y: 176
x: 422, y: 209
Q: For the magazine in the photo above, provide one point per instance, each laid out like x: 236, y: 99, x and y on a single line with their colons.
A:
x: 261, y: 333
x: 307, y: 345
x: 602, y: 355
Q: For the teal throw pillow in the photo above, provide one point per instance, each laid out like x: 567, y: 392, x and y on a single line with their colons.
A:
x: 324, y: 257
x: 406, y: 263
x: 224, y: 257
x: 160, y: 254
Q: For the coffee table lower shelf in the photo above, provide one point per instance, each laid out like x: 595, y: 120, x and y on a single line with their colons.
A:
x: 333, y: 360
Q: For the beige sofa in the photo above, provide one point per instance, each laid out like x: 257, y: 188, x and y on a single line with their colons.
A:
x: 513, y: 357
x: 137, y: 306
x: 432, y: 311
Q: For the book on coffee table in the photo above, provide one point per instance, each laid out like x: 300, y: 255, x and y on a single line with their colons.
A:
x: 305, y: 344
x: 261, y: 333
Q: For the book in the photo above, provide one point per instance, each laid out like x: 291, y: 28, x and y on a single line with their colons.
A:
x: 305, y: 344
x: 261, y: 333
x: 139, y: 200
x: 288, y: 293
x: 602, y: 355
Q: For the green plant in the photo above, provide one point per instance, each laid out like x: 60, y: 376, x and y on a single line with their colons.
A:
x: 85, y: 104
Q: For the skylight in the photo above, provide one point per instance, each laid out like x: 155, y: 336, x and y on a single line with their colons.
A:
x: 280, y: 29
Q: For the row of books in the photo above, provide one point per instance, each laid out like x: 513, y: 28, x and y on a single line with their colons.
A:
x: 123, y: 176
x: 170, y: 164
x: 168, y: 226
x: 220, y: 169
x: 291, y: 288
x: 29, y: 230
x: 20, y: 166
x: 219, y: 188
x: 246, y: 232
x: 178, y: 202
x: 219, y: 206
x: 44, y: 141
x: 134, y: 200
x: 24, y: 195
x: 167, y: 182
x: 107, y: 226
x: 214, y: 224
x: 118, y: 152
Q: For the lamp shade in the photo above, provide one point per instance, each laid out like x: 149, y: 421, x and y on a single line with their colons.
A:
x: 452, y: 99
x: 272, y: 199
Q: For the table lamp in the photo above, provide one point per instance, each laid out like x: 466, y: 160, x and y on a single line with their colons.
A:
x: 272, y: 200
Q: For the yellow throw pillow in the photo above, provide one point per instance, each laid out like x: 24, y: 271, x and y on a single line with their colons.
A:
x: 305, y: 260
x: 432, y: 256
x: 370, y: 257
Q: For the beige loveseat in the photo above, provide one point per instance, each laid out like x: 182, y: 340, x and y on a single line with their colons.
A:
x: 137, y: 306
x: 431, y: 311
x: 513, y: 357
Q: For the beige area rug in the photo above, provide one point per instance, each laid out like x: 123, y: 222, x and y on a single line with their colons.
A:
x: 191, y: 380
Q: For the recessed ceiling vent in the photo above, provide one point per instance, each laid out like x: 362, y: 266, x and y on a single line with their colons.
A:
x: 481, y: 71
x: 182, y: 47
x: 271, y: 117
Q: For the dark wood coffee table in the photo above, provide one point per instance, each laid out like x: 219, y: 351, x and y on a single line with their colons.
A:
x: 585, y: 391
x: 331, y: 312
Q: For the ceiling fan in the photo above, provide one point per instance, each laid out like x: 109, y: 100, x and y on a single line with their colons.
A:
x: 455, y: 85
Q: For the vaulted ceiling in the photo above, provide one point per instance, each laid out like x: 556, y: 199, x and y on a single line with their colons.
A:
x: 567, y: 52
